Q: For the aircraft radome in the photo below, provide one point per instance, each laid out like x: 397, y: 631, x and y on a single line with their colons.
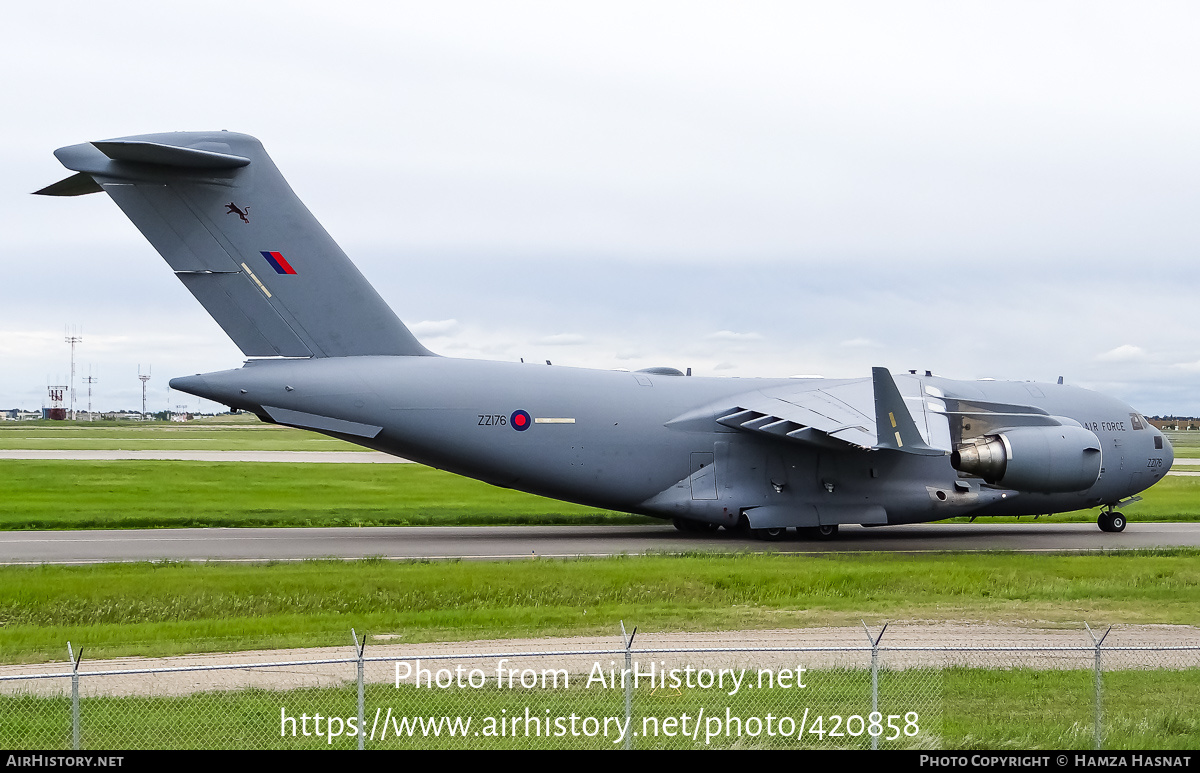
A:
x: 327, y: 354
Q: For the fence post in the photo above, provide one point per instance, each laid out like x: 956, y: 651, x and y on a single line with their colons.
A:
x: 1099, y: 735
x: 874, y: 674
x: 74, y: 695
x: 359, y: 649
x: 627, y: 641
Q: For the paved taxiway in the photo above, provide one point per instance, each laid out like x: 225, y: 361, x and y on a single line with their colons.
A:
x: 523, y: 542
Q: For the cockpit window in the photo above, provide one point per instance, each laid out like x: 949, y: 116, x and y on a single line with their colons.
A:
x: 1137, y: 421
x: 1158, y: 442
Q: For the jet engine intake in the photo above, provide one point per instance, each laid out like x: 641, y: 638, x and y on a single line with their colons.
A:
x: 1045, y: 460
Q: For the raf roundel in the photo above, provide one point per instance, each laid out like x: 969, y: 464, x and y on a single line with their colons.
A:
x: 520, y: 421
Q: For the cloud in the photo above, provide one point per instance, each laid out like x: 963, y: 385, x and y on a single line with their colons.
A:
x: 562, y: 339
x: 725, y: 366
x: 729, y: 335
x: 435, y: 328
x: 1123, y: 353
x: 860, y: 343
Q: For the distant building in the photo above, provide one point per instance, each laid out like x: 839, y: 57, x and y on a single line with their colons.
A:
x: 1176, y: 423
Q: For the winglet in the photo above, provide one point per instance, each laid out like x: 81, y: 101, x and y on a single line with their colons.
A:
x: 894, y: 425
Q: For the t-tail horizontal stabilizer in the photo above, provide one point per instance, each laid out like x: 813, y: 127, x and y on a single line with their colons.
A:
x: 893, y: 423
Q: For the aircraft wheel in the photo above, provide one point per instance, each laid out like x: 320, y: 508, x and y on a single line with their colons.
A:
x: 826, y: 532
x: 680, y: 524
x: 1116, y: 522
x: 771, y: 535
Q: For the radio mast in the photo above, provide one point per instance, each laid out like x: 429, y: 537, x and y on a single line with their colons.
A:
x: 73, y: 338
x: 144, y: 378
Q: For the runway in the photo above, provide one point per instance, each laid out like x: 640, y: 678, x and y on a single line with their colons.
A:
x: 530, y: 542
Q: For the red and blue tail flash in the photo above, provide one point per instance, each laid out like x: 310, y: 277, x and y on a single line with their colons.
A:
x: 279, y: 263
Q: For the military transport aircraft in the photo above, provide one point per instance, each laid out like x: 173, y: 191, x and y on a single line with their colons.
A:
x: 329, y: 355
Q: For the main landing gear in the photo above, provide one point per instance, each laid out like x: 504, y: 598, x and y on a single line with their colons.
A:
x: 827, y: 532
x: 811, y: 532
x: 1111, y: 520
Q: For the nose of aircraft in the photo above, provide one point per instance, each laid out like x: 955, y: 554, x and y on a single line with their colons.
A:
x: 1168, y: 452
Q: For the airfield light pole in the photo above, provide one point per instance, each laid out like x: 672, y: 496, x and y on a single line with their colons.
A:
x: 90, y: 380
x: 144, y: 377
x: 73, y: 339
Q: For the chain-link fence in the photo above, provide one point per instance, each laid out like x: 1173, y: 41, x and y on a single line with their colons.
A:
x: 640, y: 692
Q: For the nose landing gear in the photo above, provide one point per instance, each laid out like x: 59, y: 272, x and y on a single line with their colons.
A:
x: 1111, y: 521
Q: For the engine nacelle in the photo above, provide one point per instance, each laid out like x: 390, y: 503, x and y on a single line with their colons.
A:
x: 1045, y: 460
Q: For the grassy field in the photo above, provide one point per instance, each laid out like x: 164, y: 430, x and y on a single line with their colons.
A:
x: 126, y: 494
x: 159, y: 609
x: 1186, y: 444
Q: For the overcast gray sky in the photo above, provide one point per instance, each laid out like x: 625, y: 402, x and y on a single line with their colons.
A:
x: 1003, y: 190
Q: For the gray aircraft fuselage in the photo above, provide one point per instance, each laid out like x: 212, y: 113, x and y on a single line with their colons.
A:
x: 328, y: 354
x: 619, y: 440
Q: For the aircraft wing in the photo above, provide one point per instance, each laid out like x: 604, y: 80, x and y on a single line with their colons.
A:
x: 832, y: 417
x: 864, y: 414
x: 872, y: 414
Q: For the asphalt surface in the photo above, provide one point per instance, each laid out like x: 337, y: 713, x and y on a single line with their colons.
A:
x: 527, y: 542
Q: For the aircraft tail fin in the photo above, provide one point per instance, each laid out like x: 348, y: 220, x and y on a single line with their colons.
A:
x: 219, y: 212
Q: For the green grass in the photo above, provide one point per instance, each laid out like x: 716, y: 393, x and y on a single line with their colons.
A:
x: 158, y: 609
x: 1186, y: 444
x: 119, y: 495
